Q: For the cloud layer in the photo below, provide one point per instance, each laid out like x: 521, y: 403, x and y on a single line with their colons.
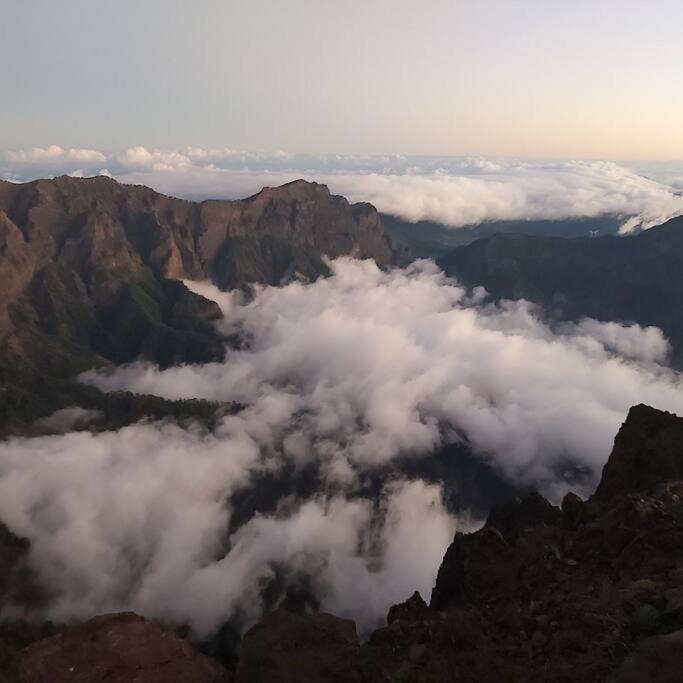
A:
x: 369, y: 365
x: 346, y: 374
x: 449, y: 190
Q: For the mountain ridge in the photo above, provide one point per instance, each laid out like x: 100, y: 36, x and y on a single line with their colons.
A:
x: 87, y: 263
x: 628, y: 279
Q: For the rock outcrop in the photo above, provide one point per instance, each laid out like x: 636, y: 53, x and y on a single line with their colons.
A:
x: 121, y: 648
x: 289, y: 648
x: 648, y: 451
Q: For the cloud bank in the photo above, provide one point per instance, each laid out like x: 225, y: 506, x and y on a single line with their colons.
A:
x: 347, y: 374
x: 452, y: 191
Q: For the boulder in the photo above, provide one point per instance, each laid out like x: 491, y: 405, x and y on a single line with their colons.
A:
x: 289, y: 648
x: 117, y: 648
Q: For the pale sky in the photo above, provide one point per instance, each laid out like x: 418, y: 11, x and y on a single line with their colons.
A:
x: 591, y: 79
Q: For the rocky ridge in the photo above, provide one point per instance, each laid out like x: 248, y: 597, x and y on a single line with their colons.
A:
x: 90, y: 267
x: 609, y: 278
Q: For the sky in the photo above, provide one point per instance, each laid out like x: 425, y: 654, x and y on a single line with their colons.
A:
x: 530, y: 78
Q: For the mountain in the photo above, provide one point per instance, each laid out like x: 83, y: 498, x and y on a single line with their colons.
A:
x: 631, y: 279
x: 428, y: 239
x: 90, y: 267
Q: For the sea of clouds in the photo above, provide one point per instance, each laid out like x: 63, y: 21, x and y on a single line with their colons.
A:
x: 449, y: 190
x: 348, y: 373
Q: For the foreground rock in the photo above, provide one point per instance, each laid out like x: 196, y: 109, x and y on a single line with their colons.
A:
x: 549, y: 594
x: 117, y: 648
x: 291, y: 648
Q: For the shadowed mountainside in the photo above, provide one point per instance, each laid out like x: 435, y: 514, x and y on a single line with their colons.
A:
x: 428, y: 239
x: 629, y: 279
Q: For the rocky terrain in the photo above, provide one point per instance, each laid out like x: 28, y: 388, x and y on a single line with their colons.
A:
x: 629, y: 279
x: 591, y: 590
x: 90, y: 267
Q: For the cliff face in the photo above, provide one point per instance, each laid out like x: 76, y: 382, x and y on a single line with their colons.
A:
x: 86, y: 263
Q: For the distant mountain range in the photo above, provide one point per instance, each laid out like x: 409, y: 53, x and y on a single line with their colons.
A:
x: 427, y: 239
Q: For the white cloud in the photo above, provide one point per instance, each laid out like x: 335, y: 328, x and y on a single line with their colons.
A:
x: 346, y: 373
x: 374, y: 364
x: 55, y: 153
x: 156, y: 160
x: 449, y: 190
x: 76, y: 154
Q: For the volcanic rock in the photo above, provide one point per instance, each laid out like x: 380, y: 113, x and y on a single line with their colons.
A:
x: 118, y: 648
x: 541, y: 593
x: 288, y: 648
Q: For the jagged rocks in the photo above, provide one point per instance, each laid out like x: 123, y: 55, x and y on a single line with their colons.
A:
x: 525, y: 512
x: 541, y: 593
x: 413, y: 609
x: 483, y: 566
x: 118, y: 648
x: 648, y: 450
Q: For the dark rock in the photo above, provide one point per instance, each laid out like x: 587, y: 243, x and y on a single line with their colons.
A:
x: 120, y: 648
x: 562, y: 595
x: 413, y: 609
x: 288, y: 648
x: 476, y: 567
x: 648, y: 450
x: 607, y: 278
x: 524, y: 512
x: 659, y: 658
x: 13, y: 550
x: 573, y: 510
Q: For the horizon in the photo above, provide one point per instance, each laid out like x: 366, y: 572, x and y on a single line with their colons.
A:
x: 453, y: 191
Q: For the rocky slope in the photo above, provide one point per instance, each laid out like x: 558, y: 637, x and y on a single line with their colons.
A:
x: 632, y: 279
x: 121, y: 648
x: 89, y: 266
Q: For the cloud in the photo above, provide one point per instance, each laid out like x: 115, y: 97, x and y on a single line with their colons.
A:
x: 85, y: 155
x: 345, y: 375
x: 67, y: 419
x: 449, y: 190
x: 375, y: 364
x: 138, y: 519
x: 55, y: 153
x: 156, y: 160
